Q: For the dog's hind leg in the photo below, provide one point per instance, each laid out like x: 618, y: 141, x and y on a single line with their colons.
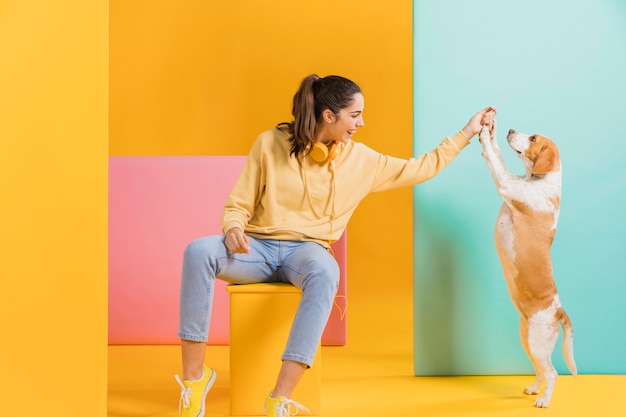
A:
x: 536, y: 386
x: 543, y: 332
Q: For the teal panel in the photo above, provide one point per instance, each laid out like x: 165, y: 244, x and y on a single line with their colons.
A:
x: 555, y: 68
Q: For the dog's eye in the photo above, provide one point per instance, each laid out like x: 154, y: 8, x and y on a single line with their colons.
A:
x: 533, y: 139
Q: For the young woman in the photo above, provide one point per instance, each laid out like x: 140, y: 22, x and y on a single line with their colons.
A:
x: 299, y: 187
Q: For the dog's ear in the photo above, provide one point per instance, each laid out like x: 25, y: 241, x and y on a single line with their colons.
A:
x: 545, y: 161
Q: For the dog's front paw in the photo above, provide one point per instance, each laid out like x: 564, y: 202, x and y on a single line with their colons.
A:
x: 493, y: 130
x: 484, y: 137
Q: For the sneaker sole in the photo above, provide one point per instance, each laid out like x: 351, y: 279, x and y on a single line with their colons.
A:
x: 208, y: 386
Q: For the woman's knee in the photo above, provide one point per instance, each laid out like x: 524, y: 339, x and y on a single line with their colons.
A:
x: 325, y: 275
x: 201, y: 247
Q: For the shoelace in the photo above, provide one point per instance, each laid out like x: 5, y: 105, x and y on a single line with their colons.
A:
x: 185, y: 393
x: 288, y: 408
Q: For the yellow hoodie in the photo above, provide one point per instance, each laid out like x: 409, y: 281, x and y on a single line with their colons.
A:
x: 275, y: 197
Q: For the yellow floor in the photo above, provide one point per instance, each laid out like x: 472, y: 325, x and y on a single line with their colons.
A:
x: 361, y: 384
x: 372, y: 376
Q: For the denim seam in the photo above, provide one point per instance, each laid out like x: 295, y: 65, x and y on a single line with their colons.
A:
x: 192, y: 338
x: 298, y: 358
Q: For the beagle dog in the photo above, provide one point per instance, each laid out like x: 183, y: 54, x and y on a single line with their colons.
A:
x: 524, y: 232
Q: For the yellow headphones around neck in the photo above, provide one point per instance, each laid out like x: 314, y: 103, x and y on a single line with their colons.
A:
x: 325, y: 153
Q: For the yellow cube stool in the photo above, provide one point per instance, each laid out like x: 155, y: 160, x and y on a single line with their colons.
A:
x: 260, y: 320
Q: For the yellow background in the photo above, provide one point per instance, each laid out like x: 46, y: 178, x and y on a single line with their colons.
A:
x: 185, y: 78
x: 53, y: 208
x: 206, y: 77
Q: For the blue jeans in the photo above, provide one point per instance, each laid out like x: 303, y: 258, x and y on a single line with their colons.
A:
x: 306, y: 265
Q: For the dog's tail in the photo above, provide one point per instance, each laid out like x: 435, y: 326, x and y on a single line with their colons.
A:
x: 568, y: 340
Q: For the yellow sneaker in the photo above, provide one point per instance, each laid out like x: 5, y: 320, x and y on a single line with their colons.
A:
x: 193, y: 393
x: 282, y: 407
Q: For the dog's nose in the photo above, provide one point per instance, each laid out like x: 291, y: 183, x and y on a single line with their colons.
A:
x: 511, y: 131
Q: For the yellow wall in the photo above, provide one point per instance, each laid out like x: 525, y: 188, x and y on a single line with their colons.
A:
x: 53, y: 193
x: 205, y: 77
x: 186, y: 78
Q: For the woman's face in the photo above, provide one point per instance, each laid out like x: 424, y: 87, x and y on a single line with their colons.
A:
x: 346, y: 123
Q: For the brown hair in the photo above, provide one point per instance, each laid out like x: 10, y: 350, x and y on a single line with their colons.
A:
x: 315, y: 95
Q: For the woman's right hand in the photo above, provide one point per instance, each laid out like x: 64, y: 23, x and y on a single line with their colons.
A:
x: 236, y: 241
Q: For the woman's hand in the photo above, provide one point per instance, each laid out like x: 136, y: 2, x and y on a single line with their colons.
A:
x: 236, y: 241
x: 482, y: 118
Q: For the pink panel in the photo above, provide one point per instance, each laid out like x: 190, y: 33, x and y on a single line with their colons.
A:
x: 336, y: 329
x: 157, y: 205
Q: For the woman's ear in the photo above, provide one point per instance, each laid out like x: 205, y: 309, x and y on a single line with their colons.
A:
x: 328, y: 116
